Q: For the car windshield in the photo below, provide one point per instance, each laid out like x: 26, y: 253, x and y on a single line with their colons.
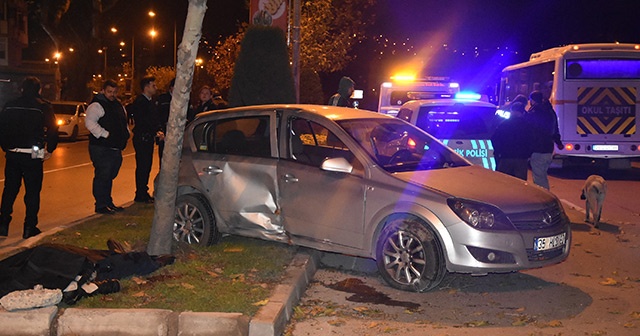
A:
x: 64, y: 109
x: 398, y: 146
x: 458, y: 121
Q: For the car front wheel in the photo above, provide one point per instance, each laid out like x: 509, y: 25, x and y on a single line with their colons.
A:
x: 194, y: 221
x: 409, y: 256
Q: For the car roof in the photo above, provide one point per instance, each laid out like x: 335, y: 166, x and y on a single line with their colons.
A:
x: 413, y: 104
x: 327, y: 111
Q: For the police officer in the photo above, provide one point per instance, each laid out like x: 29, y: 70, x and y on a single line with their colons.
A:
x: 28, y: 135
x: 147, y: 128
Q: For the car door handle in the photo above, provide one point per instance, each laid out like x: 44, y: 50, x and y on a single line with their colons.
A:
x: 212, y: 170
x: 290, y: 178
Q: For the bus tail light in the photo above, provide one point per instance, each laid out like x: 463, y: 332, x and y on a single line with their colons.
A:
x: 568, y: 147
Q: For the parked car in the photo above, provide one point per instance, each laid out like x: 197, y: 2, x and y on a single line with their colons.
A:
x: 464, y: 124
x: 360, y: 183
x: 70, y: 119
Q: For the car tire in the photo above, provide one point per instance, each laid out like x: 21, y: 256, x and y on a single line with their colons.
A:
x: 74, y: 133
x: 409, y: 256
x: 194, y: 221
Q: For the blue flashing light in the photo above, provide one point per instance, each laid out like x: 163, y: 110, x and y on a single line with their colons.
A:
x: 468, y: 96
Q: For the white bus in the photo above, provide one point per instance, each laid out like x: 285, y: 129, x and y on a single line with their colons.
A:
x: 594, y: 90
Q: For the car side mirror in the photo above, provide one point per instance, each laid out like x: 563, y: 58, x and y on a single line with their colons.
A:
x: 338, y: 164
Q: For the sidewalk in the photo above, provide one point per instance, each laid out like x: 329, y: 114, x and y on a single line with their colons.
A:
x: 270, y: 320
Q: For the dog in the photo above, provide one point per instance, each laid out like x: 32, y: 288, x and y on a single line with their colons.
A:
x: 594, y: 192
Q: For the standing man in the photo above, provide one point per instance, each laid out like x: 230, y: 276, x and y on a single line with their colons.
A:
x: 164, y: 106
x: 107, y: 121
x: 512, y: 143
x: 28, y: 135
x: 147, y: 127
x: 544, y: 123
x: 345, y: 90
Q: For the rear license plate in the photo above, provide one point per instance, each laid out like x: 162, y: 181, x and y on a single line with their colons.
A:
x: 548, y: 243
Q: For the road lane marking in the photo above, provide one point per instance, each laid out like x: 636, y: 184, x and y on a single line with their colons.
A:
x: 73, y: 167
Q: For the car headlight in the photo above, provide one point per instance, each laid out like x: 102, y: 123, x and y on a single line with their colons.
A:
x: 479, y: 215
x: 62, y: 122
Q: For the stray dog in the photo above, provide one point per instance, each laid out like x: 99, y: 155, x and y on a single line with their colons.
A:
x: 594, y: 192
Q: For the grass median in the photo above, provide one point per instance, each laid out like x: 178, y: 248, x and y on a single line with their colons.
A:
x: 235, y: 275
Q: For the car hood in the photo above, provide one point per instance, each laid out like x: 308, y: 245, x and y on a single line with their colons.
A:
x: 508, y: 193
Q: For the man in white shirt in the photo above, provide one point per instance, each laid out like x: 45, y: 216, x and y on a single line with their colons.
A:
x: 107, y: 121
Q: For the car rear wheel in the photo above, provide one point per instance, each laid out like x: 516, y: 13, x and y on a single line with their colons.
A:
x: 194, y: 221
x: 409, y: 256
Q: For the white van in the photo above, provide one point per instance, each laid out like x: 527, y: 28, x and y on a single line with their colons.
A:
x: 395, y: 93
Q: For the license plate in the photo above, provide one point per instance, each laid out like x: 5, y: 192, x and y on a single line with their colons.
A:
x: 548, y: 243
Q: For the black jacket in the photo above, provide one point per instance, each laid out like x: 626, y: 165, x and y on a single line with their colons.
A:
x: 513, y: 139
x: 27, y: 122
x: 114, y: 121
x: 544, y: 123
x: 145, y: 117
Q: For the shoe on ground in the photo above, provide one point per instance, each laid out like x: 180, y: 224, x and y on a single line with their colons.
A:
x: 115, y: 208
x: 105, y: 210
x: 144, y: 199
x: 4, y: 231
x: 28, y: 233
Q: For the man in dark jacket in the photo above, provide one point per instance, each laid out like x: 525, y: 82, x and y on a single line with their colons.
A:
x: 147, y: 127
x: 164, y: 107
x: 107, y: 121
x: 544, y: 123
x: 345, y: 90
x: 512, y: 143
x: 28, y: 135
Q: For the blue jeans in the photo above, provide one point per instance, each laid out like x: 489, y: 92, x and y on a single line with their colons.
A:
x: 540, y: 163
x: 106, y: 164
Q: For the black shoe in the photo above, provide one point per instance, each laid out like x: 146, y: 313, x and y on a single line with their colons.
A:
x: 115, y: 208
x: 30, y: 232
x: 105, y: 210
x: 4, y: 231
x: 144, y: 199
x: 106, y: 287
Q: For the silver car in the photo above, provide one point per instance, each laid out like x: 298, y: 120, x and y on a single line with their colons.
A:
x: 365, y: 184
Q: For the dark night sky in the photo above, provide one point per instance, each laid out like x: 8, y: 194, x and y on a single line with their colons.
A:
x: 491, y: 26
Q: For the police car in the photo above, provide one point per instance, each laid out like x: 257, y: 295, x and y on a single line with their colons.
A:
x: 464, y: 123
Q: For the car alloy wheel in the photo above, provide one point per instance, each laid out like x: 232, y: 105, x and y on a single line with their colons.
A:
x: 409, y: 256
x: 194, y: 221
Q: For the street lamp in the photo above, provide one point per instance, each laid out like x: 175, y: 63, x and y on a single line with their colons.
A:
x: 104, y: 52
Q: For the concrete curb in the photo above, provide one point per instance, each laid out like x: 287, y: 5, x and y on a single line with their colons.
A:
x: 270, y: 320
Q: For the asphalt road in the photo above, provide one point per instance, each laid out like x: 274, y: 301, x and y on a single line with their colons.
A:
x: 66, y: 192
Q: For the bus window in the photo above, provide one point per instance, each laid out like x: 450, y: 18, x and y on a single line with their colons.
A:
x: 603, y: 69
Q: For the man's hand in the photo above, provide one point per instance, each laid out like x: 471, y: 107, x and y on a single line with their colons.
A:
x: 47, y: 155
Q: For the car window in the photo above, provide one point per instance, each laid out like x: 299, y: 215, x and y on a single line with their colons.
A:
x: 398, y: 146
x: 248, y: 136
x: 458, y: 121
x: 64, y: 109
x: 312, y: 143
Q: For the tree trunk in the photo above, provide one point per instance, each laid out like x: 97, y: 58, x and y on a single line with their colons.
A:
x: 160, y: 239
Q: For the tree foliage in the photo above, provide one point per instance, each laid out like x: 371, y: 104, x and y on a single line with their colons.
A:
x: 329, y: 30
x: 163, y: 76
x: 262, y: 74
